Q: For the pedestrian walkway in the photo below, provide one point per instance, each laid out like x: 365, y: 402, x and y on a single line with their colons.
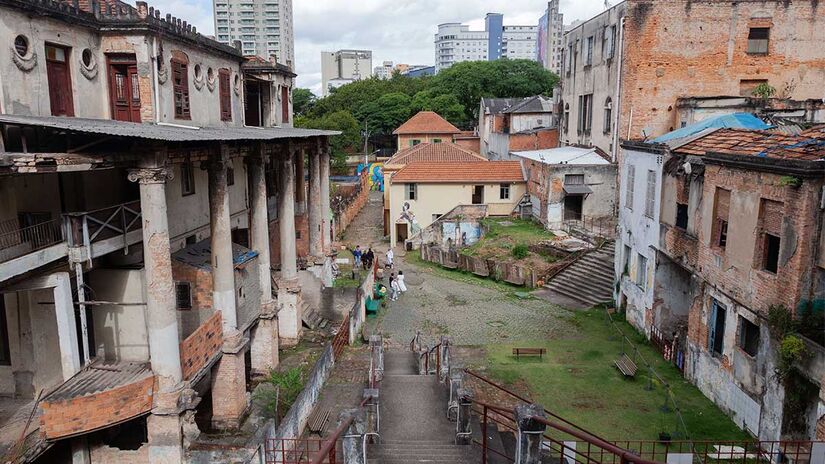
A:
x: 367, y: 229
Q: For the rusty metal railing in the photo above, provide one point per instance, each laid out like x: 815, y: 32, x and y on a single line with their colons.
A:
x: 297, y: 451
x: 18, y: 241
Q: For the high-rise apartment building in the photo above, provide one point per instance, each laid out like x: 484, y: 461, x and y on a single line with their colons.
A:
x: 344, y: 66
x: 264, y: 27
x: 455, y: 42
x: 550, y: 38
x: 384, y: 71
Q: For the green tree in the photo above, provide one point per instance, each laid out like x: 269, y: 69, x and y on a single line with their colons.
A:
x: 343, y: 145
x: 302, y: 100
x: 446, y: 105
x: 387, y: 112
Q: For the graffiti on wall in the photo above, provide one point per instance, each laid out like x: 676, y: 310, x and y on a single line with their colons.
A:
x: 408, y: 215
x: 460, y: 235
x: 376, y: 175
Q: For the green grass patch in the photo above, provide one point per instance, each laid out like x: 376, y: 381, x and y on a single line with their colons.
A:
x: 345, y: 280
x: 465, y: 277
x: 509, y: 239
x: 578, y: 381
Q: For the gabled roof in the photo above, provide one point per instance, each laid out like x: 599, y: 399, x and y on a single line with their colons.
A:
x: 460, y: 173
x: 434, y: 152
x: 763, y: 144
x: 426, y: 122
x: 536, y: 104
x: 497, y: 105
x: 564, y: 155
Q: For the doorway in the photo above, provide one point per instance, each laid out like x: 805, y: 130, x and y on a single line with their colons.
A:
x: 60, y: 82
x: 478, y: 194
x: 124, y: 88
x: 253, y: 103
x: 401, y: 233
x: 573, y: 207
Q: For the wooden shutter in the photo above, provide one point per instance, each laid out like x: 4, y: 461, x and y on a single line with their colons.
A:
x: 225, y: 95
x: 650, y: 198
x: 771, y: 219
x: 60, y: 83
x: 631, y: 180
x: 180, y: 84
x: 285, y: 104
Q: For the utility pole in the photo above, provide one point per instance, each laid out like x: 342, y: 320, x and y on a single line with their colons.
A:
x: 366, y: 134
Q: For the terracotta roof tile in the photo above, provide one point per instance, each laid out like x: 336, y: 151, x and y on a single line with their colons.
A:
x: 453, y: 172
x: 806, y: 146
x: 434, y: 152
x: 426, y: 122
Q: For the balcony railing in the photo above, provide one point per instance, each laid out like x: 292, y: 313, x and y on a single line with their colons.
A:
x: 86, y: 228
x: 16, y: 241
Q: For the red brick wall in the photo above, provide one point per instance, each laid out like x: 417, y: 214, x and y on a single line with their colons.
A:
x: 86, y: 413
x: 537, y: 184
x: 535, y: 141
x: 471, y: 143
x: 200, y: 280
x: 199, y: 347
x: 346, y: 216
x: 302, y: 243
x: 681, y: 247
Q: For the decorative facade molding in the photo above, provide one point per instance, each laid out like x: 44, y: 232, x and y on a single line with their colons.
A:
x: 89, y: 72
x: 24, y: 63
x: 150, y: 175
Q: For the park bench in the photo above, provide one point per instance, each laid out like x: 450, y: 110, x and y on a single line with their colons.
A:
x: 318, y: 420
x: 540, y: 352
x: 626, y: 366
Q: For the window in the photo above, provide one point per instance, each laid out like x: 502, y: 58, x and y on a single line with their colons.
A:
x: 716, y: 326
x: 608, y: 115
x: 609, y: 41
x: 650, y: 196
x: 585, y: 113
x: 641, y: 272
x: 758, y: 38
x: 21, y: 46
x: 436, y: 140
x: 5, y: 355
x: 60, y: 81
x: 748, y: 336
x: 770, y: 230
x: 414, y: 142
x: 721, y: 205
x: 187, y: 179
x: 230, y: 175
x: 411, y: 191
x: 574, y: 179
x: 629, y: 186
x: 567, y: 117
x: 628, y: 255
x: 588, y: 53
x: 504, y: 191
x: 682, y: 216
x: 180, y: 86
x: 225, y: 95
x: 183, y: 295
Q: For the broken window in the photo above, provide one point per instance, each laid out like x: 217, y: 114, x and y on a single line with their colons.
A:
x: 180, y: 86
x: 631, y: 179
x: 641, y: 271
x: 504, y: 191
x: 585, y: 113
x: 187, y: 179
x: 758, y: 38
x: 682, y: 216
x: 720, y: 222
x: 588, y: 53
x: 716, y: 328
x: 770, y: 228
x: 748, y: 336
x: 412, y: 191
x: 183, y: 295
x: 60, y: 81
x: 225, y: 94
x: 650, y: 195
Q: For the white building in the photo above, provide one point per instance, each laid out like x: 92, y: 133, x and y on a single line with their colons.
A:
x: 550, y: 38
x: 344, y: 66
x: 456, y: 43
x: 264, y: 27
x: 384, y: 71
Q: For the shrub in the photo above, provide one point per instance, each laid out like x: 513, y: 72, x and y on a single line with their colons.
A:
x: 520, y: 251
x: 285, y: 388
x: 791, y: 351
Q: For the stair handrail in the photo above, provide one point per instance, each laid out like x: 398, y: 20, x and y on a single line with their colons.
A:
x: 330, y: 442
x: 416, y: 341
x: 437, y: 349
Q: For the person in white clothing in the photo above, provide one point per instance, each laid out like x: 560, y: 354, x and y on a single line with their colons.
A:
x: 390, y: 256
x: 402, y: 287
x: 394, y: 288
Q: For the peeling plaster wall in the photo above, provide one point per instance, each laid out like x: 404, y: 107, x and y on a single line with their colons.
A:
x: 599, y: 204
x: 120, y: 331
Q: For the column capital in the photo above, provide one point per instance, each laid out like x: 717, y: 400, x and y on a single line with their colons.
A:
x: 150, y: 175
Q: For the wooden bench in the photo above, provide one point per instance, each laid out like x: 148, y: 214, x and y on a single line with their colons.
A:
x: 318, y: 420
x: 540, y: 352
x: 626, y: 366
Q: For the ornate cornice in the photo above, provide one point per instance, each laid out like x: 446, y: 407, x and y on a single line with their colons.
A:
x: 150, y: 175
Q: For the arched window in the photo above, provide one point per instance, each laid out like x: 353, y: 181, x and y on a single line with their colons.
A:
x: 567, y: 117
x: 608, y: 115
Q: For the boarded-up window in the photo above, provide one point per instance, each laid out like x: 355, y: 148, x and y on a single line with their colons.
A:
x: 225, y: 95
x: 183, y: 295
x: 180, y: 87
x: 650, y: 196
x: 758, y: 38
x: 721, y: 210
x: 629, y: 185
x: 770, y: 225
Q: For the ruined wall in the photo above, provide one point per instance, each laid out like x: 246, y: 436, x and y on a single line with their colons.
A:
x: 683, y: 48
x: 470, y: 143
x: 601, y: 204
x: 301, y: 242
x: 537, y: 140
x: 199, y: 347
x: 119, y: 330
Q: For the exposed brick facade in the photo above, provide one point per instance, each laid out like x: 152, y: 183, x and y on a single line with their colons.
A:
x: 351, y: 209
x: 548, y: 138
x: 105, y: 454
x: 87, y: 413
x: 301, y: 242
x: 201, y: 346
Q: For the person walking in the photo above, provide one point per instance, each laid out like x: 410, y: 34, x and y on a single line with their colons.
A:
x: 402, y: 287
x: 390, y: 256
x: 357, y: 253
x: 394, y: 289
x: 369, y: 258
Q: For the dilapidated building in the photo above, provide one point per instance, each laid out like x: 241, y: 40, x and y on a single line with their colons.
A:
x: 149, y: 250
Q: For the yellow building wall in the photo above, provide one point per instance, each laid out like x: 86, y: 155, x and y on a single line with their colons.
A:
x: 442, y: 198
x: 405, y: 141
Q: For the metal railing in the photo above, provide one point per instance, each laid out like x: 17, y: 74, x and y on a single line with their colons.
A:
x: 668, y: 348
x: 297, y: 451
x: 17, y: 241
x: 341, y: 339
x: 86, y: 228
x: 600, y: 227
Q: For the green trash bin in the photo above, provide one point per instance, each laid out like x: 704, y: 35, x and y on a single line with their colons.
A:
x: 372, y: 306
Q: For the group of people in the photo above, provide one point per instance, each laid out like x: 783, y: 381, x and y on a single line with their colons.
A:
x: 366, y: 259
x: 397, y: 285
x: 362, y: 258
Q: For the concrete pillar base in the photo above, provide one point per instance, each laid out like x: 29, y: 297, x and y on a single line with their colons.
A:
x: 230, y: 400
x: 264, y: 344
x: 165, y: 439
x: 289, y: 313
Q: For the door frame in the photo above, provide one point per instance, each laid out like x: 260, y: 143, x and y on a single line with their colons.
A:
x: 130, y: 60
x: 69, y: 90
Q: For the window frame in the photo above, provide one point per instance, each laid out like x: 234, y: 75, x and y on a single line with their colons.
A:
x: 641, y: 271
x: 504, y: 191
x: 746, y: 341
x: 178, y: 286
x: 759, y: 46
x: 187, y: 178
x: 682, y: 210
x: 225, y: 94
x: 630, y: 187
x: 411, y: 191
x: 714, y: 330
x: 180, y: 89
x: 719, y: 232
x: 608, y: 116
x: 650, y: 194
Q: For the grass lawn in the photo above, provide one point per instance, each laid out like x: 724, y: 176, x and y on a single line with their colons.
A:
x: 345, y: 280
x: 578, y: 381
x: 503, y: 234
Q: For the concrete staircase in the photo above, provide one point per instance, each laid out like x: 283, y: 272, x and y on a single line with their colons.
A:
x: 414, y: 426
x: 589, y: 280
x: 312, y: 318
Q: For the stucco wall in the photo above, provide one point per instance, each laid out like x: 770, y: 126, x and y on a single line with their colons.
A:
x: 405, y: 141
x: 120, y: 330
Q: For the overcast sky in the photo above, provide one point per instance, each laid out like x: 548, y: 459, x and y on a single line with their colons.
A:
x: 395, y: 30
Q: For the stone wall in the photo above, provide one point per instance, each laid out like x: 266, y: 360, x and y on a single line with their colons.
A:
x: 352, y: 204
x: 496, y: 270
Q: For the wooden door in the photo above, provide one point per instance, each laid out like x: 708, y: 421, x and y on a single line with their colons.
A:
x: 124, y: 90
x: 285, y: 104
x: 60, y: 82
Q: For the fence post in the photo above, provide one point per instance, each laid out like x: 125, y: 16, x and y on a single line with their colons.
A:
x: 464, y: 434
x: 373, y: 422
x: 353, y: 439
x: 530, y: 433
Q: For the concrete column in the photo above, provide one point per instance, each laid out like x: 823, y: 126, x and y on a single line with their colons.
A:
x: 289, y: 317
x: 530, y: 433
x: 456, y: 383
x: 300, y: 183
x: 223, y: 268
x: 264, y: 345
x: 259, y: 225
x: 66, y: 325
x: 230, y: 401
x: 352, y: 442
x: 464, y: 433
x: 314, y: 206
x: 326, y: 210
x: 164, y: 424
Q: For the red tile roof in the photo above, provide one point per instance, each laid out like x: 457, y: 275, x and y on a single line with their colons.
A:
x: 467, y: 172
x: 758, y: 143
x: 426, y: 122
x: 434, y: 152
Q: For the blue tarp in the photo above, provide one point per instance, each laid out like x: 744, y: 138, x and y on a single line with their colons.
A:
x: 731, y: 121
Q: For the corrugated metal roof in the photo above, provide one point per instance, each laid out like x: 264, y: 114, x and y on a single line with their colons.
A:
x: 166, y: 133
x: 564, y: 155
x: 100, y: 377
x: 731, y: 121
x: 536, y: 104
x: 199, y: 255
